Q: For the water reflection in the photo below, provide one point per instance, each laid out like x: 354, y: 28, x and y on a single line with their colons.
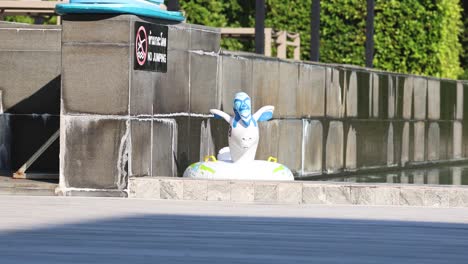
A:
x: 447, y: 175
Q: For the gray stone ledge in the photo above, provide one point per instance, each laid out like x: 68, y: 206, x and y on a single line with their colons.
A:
x: 298, y: 192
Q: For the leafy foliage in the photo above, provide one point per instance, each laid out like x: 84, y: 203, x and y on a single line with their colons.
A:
x: 411, y: 36
x: 50, y: 20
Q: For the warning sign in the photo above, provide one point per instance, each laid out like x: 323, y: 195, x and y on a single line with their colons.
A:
x: 150, y: 47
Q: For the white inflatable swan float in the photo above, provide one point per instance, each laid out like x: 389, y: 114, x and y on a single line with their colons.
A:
x: 238, y: 160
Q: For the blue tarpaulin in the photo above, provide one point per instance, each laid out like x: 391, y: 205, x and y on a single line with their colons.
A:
x: 148, y: 8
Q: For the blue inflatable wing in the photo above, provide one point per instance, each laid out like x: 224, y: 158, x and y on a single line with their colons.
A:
x: 264, y: 114
x: 148, y: 8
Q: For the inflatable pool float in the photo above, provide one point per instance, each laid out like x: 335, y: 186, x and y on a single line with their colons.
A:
x: 148, y: 8
x: 237, y: 162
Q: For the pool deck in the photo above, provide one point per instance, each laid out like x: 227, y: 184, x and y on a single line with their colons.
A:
x: 10, y: 186
x: 113, y: 230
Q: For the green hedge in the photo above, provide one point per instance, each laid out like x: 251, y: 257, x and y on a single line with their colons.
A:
x: 411, y: 36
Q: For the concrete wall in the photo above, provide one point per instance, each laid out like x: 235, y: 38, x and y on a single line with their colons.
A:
x: 118, y: 122
x: 29, y: 95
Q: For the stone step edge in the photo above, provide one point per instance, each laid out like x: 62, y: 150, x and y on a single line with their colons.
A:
x: 297, y: 192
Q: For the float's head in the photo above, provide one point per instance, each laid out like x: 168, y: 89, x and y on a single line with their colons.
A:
x: 243, y: 106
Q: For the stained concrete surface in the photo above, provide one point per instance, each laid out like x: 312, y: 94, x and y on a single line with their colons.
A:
x: 84, y: 230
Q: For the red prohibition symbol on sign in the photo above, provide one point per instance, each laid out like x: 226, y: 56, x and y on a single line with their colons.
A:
x: 141, y: 45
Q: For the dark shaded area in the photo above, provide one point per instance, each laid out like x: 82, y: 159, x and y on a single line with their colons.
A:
x: 442, y: 175
x: 45, y: 101
x: 203, y: 239
x: 30, y: 123
x: 29, y: 133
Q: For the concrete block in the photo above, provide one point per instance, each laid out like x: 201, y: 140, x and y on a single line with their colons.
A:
x: 205, y: 38
x: 371, y: 143
x: 203, y: 83
x: 219, y: 191
x: 352, y: 95
x: 391, y: 145
x: 433, y: 99
x: 94, y: 152
x: 269, y: 139
x: 392, y: 96
x: 265, y: 80
x: 376, y: 94
x: 290, y: 193
x: 436, y: 197
x: 445, y: 140
x: 335, y: 94
x: 144, y: 187
x: 39, y: 93
x: 172, y: 189
x: 183, y: 142
x: 433, y: 176
x: 460, y: 101
x: 110, y: 30
x: 207, y: 146
x: 236, y: 76
x: 387, y: 196
x: 172, y: 88
x: 405, y: 144
x: 290, y: 144
x: 219, y: 133
x: 288, y: 88
x: 420, y: 98
x: 363, y: 195
x: 141, y: 148
x: 433, y: 142
x: 334, y: 147
x: 165, y: 137
x: 448, y: 99
x: 266, y: 192
x: 142, y: 91
x: 242, y: 191
x: 400, y: 143
x: 412, y: 196
x: 456, y: 173
x: 84, y: 90
x: 351, y: 149
x: 313, y: 194
x: 198, y: 140
x: 195, y: 190
x: 337, y: 194
x: 457, y: 139
x: 419, y: 130
x: 311, y: 91
x: 179, y: 37
x: 313, y: 147
x: 364, y: 94
x: 458, y: 197
x: 30, y: 38
x: 408, y: 87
